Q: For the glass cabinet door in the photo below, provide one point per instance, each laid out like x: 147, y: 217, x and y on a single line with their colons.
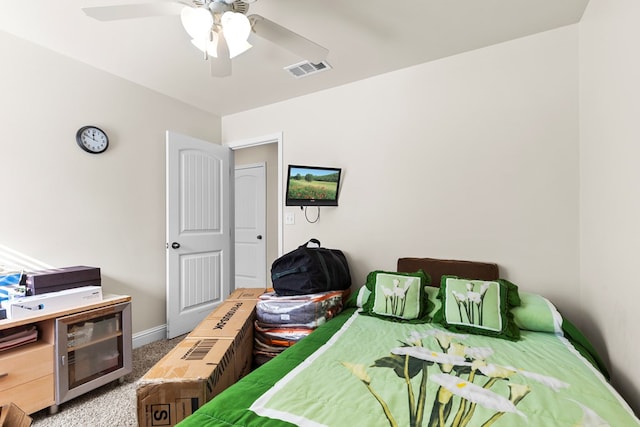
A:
x: 92, y: 348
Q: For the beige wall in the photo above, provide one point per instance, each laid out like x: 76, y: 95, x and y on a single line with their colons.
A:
x: 268, y: 154
x: 472, y: 157
x: 609, y: 202
x: 63, y: 206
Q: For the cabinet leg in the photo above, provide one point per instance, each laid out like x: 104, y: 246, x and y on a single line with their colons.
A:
x: 121, y: 380
x: 53, y: 409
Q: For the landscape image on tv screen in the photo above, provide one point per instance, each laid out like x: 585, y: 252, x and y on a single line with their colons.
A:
x: 314, y: 185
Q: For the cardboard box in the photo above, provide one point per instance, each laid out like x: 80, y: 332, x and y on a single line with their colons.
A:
x: 227, y: 320
x: 199, y: 367
x: 246, y: 293
x: 60, y: 279
x: 20, y: 308
x: 12, y: 416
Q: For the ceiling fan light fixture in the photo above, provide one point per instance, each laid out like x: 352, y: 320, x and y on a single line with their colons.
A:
x: 236, y: 28
x: 207, y: 46
x: 236, y: 49
x: 197, y: 22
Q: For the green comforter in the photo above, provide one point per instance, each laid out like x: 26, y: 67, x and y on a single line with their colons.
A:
x: 362, y: 371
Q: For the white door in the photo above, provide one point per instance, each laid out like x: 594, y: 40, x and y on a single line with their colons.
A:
x: 199, y: 230
x: 250, y: 191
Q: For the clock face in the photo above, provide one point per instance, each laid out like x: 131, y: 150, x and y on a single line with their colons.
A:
x: 92, y: 139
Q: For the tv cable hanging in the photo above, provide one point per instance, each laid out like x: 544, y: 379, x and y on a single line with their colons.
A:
x: 304, y: 208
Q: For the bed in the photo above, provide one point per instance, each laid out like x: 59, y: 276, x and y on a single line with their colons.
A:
x: 437, y: 343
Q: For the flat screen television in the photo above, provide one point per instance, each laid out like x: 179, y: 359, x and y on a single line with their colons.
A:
x: 312, y: 186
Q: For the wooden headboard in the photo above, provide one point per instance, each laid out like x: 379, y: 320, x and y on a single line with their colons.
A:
x: 436, y: 268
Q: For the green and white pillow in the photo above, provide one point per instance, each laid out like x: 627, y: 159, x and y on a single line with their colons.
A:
x: 536, y: 313
x: 398, y: 296
x: 478, y: 306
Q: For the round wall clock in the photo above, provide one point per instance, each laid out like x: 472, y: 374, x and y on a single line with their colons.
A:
x: 92, y: 139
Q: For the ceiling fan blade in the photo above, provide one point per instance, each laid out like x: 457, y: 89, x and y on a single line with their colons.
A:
x: 287, y: 39
x: 131, y: 11
x: 221, y: 66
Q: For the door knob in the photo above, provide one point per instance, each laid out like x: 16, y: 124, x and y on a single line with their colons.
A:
x: 259, y: 236
x: 175, y: 245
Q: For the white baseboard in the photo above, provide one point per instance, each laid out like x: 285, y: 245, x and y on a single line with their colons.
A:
x: 150, y: 335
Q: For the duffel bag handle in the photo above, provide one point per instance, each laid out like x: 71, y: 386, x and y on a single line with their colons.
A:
x: 313, y: 240
x: 295, y: 270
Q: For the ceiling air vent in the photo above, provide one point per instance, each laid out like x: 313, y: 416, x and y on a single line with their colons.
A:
x: 306, y: 68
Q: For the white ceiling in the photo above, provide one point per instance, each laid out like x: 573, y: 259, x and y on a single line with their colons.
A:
x: 364, y: 38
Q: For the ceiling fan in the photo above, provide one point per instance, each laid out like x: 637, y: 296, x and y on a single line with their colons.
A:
x: 219, y: 28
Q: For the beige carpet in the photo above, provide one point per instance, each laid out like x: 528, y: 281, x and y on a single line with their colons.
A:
x: 112, y: 405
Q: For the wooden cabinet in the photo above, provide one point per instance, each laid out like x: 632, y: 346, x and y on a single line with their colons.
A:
x: 29, y: 373
x: 92, y: 349
x: 28, y: 376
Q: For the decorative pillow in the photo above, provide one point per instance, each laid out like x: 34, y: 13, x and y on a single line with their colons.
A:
x: 536, y: 313
x: 478, y: 307
x: 434, y: 302
x: 358, y: 298
x: 398, y: 296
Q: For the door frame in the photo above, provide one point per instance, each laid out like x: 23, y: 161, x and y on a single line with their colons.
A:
x: 274, y: 138
x: 262, y: 166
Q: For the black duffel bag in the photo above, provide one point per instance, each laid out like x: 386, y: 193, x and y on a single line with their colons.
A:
x: 309, y: 270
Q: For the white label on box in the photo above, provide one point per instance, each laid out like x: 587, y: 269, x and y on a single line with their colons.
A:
x: 285, y: 317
